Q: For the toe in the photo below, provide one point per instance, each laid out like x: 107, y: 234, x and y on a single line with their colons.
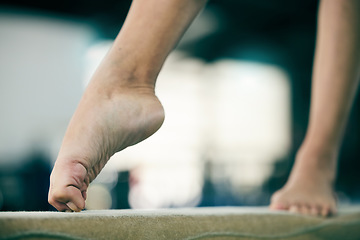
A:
x: 73, y: 207
x: 314, y: 210
x: 304, y: 209
x: 60, y: 206
x: 278, y: 203
x: 84, y: 195
x: 278, y: 206
x: 67, y: 198
x: 325, y: 211
x: 75, y: 202
x: 294, y: 209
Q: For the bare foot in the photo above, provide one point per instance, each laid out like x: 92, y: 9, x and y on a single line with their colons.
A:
x: 309, y: 190
x: 106, y: 121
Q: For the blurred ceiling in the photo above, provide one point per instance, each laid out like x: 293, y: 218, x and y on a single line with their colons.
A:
x: 258, y: 15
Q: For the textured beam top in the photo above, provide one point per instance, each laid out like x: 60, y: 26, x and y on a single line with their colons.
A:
x: 184, y: 224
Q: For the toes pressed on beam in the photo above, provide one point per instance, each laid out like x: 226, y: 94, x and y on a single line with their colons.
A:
x: 196, y: 223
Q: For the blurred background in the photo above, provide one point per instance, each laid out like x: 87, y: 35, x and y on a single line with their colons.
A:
x: 236, y: 93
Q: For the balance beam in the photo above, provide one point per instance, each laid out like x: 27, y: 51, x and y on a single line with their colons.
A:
x: 228, y: 223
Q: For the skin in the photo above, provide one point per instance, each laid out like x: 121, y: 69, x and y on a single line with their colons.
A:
x: 309, y: 189
x: 119, y: 107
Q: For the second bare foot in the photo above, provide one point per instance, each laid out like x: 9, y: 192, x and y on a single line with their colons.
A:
x: 309, y: 190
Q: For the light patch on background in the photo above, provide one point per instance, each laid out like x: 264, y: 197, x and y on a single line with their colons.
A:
x: 163, y: 186
x: 98, y: 197
x: 251, y: 119
x: 251, y: 108
x: 41, y: 67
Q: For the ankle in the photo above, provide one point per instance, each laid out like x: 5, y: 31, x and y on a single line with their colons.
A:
x: 118, y: 72
x: 314, y: 161
x: 132, y: 68
x: 120, y: 82
x: 320, y: 155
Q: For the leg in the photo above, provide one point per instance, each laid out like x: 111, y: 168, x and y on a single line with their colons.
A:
x: 309, y: 189
x: 119, y: 107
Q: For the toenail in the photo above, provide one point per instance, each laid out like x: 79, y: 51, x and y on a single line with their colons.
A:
x: 72, y: 206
